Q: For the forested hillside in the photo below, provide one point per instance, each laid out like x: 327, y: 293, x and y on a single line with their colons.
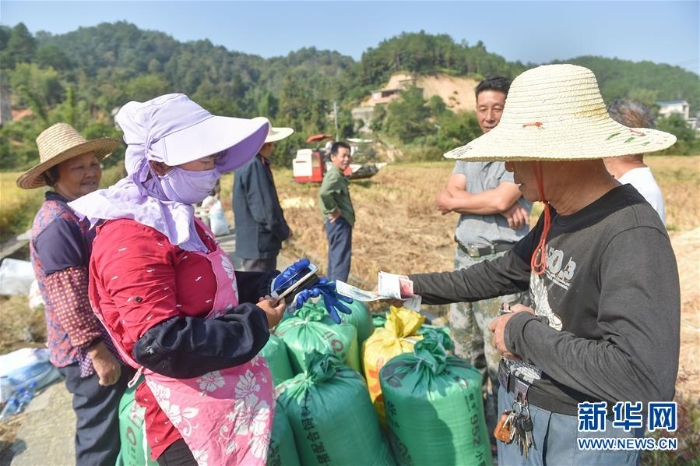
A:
x: 83, y: 76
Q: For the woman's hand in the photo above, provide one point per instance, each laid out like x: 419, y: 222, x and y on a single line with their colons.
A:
x: 274, y: 308
x: 106, y: 365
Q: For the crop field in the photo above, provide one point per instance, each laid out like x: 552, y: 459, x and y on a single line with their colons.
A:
x: 398, y: 230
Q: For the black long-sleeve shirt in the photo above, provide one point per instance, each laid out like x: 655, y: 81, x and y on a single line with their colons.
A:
x: 612, y: 282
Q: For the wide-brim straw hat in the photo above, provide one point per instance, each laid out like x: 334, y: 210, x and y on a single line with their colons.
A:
x: 278, y: 133
x: 59, y: 143
x: 556, y: 112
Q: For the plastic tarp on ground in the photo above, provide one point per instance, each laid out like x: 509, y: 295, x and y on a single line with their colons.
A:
x: 16, y: 277
x: 21, y: 367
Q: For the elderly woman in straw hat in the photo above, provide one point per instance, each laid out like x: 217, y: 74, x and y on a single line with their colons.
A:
x: 60, y: 246
x: 168, y: 294
x: 600, y: 346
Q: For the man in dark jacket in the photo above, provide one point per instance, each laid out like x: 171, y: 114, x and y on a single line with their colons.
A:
x: 259, y: 220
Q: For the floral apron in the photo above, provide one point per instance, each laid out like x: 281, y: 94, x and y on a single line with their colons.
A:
x: 225, y: 416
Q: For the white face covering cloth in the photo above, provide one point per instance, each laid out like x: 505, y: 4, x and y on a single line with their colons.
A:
x: 174, y: 130
x: 188, y: 187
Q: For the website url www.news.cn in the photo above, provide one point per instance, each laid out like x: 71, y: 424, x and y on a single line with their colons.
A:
x: 630, y: 444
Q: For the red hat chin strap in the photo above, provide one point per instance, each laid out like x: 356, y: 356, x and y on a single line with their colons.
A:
x: 538, y: 262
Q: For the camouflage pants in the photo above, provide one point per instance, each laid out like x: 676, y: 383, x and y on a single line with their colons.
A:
x: 469, y: 325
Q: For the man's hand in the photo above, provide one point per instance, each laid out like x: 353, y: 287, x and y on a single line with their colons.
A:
x: 517, y: 216
x: 274, y: 308
x: 498, y: 327
x: 106, y: 366
x: 443, y: 202
x: 333, y: 216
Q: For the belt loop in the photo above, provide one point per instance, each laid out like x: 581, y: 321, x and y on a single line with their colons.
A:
x: 521, y: 388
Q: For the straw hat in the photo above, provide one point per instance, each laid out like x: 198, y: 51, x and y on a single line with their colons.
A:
x: 277, y: 134
x: 59, y: 143
x: 556, y: 112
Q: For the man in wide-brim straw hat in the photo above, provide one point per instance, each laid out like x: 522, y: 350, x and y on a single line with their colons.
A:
x: 600, y: 270
x: 260, y: 224
x: 79, y: 346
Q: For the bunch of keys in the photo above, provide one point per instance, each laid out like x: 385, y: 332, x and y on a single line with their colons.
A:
x: 516, y: 424
x: 505, y: 428
x: 523, y: 427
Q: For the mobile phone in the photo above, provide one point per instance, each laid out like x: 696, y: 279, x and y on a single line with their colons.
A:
x: 304, y: 278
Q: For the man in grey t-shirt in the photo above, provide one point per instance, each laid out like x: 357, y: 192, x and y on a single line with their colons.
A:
x: 493, y: 217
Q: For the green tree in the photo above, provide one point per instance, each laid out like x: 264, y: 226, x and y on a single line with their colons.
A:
x: 20, y: 47
x: 50, y: 56
x: 457, y: 129
x: 408, y: 116
x: 686, y: 137
x: 146, y: 87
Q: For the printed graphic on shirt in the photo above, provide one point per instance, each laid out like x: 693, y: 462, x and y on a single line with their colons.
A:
x: 538, y: 294
x: 556, y: 271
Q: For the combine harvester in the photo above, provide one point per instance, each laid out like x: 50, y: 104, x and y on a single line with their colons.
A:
x: 310, y: 165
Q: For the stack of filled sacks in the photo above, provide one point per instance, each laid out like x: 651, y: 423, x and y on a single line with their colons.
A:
x: 434, y: 406
x: 282, y: 450
x: 275, y: 353
x: 397, y: 336
x: 311, y: 328
x: 331, y: 415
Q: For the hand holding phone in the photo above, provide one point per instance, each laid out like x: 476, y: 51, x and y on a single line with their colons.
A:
x: 274, y: 309
x: 296, y: 277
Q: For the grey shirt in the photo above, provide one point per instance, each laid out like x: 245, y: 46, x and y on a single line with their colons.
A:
x: 485, y: 229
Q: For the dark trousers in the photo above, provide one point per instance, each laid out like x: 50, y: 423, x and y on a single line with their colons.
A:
x: 177, y: 454
x: 97, y: 412
x: 339, y: 234
x: 260, y: 265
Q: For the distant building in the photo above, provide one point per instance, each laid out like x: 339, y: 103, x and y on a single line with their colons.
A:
x: 392, y: 90
x: 667, y: 108
x: 364, y: 114
x: 679, y: 107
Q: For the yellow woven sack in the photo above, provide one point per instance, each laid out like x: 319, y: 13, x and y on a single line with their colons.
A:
x: 398, y: 336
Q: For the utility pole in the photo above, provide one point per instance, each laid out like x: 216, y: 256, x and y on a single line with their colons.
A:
x: 335, y: 119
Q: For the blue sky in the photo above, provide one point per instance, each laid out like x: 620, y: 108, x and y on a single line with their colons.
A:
x: 529, y: 31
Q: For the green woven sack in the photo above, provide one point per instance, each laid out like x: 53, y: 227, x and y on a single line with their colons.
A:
x: 434, y: 407
x: 379, y: 320
x: 134, y: 448
x: 360, y: 317
x: 331, y: 415
x: 282, y: 450
x: 311, y: 329
x: 275, y: 352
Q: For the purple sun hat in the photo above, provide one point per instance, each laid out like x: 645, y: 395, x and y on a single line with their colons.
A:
x: 174, y: 130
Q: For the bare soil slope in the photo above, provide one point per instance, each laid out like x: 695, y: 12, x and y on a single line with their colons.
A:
x: 456, y: 92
